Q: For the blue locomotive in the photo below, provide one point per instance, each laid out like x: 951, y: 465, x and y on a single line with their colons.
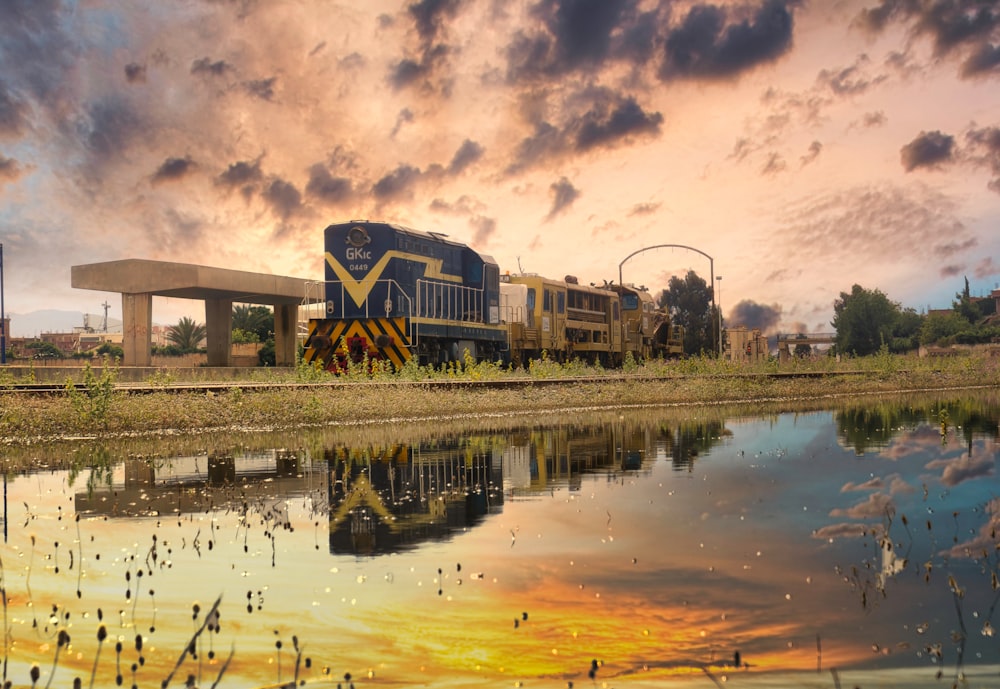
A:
x: 393, y: 293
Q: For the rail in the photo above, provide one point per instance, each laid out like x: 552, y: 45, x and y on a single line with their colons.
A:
x: 47, y: 389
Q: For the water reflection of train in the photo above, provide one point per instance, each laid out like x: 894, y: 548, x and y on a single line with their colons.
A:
x: 384, y: 499
x: 388, y: 499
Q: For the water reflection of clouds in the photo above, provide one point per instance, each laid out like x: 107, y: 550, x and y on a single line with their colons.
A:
x: 984, y: 541
x: 980, y: 463
x: 907, y: 443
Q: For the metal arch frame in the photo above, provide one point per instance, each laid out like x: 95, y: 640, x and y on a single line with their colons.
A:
x: 711, y: 269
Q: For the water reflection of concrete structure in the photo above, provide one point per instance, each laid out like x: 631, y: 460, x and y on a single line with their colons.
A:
x: 539, y: 460
x: 385, y: 500
x: 181, y: 485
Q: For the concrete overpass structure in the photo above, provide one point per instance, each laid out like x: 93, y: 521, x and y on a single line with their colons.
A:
x: 139, y: 280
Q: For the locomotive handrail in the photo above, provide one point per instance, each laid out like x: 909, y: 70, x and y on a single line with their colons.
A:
x: 448, y: 301
x: 402, y: 299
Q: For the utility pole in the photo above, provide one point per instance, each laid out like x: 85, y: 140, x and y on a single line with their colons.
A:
x: 3, y: 322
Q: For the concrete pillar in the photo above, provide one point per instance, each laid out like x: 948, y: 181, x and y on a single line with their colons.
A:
x: 286, y: 326
x: 137, y: 324
x: 219, y: 331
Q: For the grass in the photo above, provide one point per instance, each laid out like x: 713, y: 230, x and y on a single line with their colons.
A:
x: 375, y: 394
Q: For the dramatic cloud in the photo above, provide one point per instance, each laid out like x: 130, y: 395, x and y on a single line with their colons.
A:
x: 986, y: 268
x: 398, y: 184
x: 577, y: 34
x: 243, y: 176
x: 814, y: 150
x: 753, y: 315
x: 205, y: 66
x: 173, y: 169
x: 955, y: 27
x: 706, y: 45
x: 326, y: 188
x: 930, y: 149
x: 283, y: 198
x: 467, y: 154
x: 110, y: 127
x: 850, y: 81
x: 644, y: 209
x: 984, y: 149
x: 135, y: 73
x: 600, y: 125
x: 611, y: 120
x: 484, y: 229
x: 12, y: 113
x: 563, y: 195
x: 9, y: 169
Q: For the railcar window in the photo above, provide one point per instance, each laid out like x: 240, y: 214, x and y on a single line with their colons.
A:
x: 561, y: 302
x: 614, y: 311
x: 531, y: 299
x: 547, y: 300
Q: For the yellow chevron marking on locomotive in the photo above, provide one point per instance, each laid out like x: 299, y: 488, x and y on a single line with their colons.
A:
x: 338, y: 331
x: 359, y: 289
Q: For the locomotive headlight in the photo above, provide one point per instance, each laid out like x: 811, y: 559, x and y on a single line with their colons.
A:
x: 330, y: 307
x: 358, y: 237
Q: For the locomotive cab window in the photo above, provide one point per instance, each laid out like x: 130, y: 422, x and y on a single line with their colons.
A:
x: 474, y: 272
x: 630, y: 302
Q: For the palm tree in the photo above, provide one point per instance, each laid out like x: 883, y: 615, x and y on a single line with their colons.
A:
x: 254, y: 319
x: 187, y: 334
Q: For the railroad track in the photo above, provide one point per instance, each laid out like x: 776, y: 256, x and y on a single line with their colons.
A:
x: 502, y: 383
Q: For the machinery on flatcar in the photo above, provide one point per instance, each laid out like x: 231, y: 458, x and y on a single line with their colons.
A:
x: 392, y: 293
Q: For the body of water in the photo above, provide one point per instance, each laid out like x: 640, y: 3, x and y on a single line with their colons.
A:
x: 854, y: 546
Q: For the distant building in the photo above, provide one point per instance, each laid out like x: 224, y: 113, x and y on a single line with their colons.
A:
x: 747, y: 345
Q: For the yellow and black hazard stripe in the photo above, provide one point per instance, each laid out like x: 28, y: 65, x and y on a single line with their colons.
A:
x: 387, y: 336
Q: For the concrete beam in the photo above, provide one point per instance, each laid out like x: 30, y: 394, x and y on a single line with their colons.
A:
x: 139, y: 280
x: 187, y: 281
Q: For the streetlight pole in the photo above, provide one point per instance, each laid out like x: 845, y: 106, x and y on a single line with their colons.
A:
x: 718, y: 279
x: 711, y: 277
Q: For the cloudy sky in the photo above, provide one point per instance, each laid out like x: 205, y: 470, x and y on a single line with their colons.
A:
x: 804, y: 145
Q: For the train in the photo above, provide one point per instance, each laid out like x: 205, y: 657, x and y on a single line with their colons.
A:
x: 395, y: 294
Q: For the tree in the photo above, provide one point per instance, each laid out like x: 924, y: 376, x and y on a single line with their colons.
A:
x: 689, y: 301
x: 187, y: 334
x: 906, y: 331
x: 864, y: 321
x: 111, y: 350
x: 254, y: 319
x: 964, y: 306
x: 266, y: 355
x: 44, y: 350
